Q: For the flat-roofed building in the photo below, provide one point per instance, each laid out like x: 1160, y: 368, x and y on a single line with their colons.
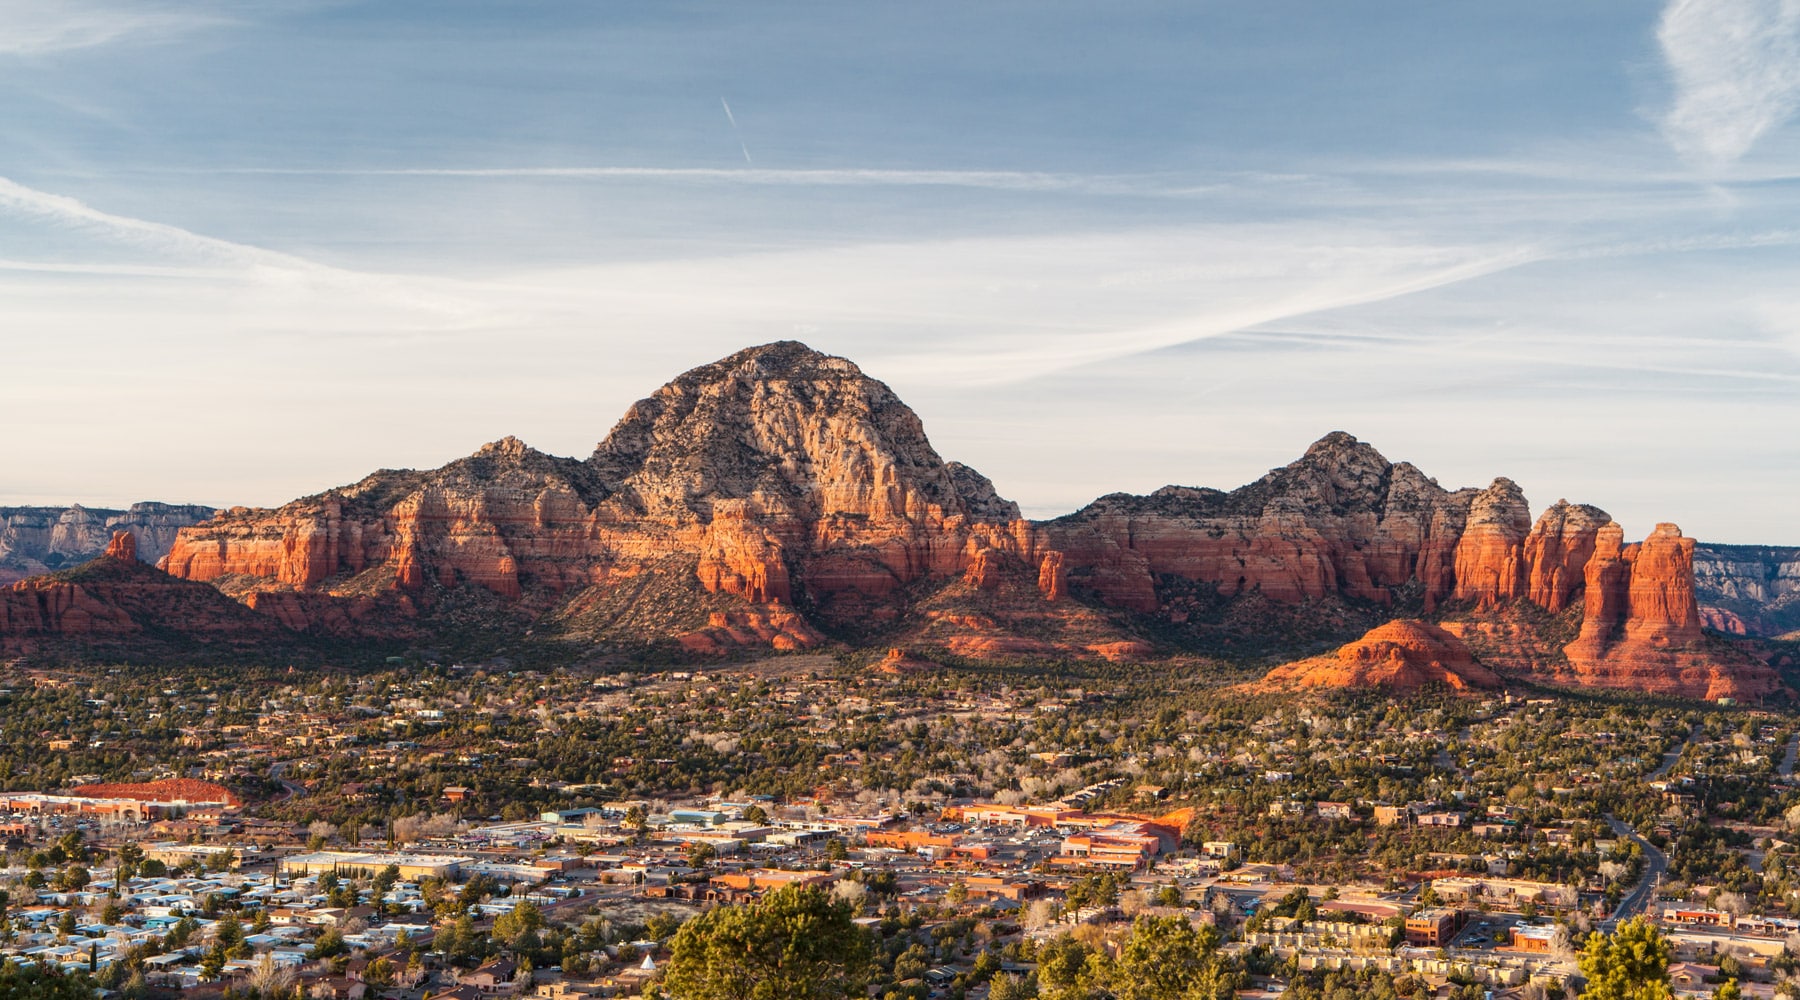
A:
x: 1392, y: 815
x: 1433, y: 928
x: 175, y: 853
x: 771, y: 878
x: 1536, y: 940
x: 411, y: 866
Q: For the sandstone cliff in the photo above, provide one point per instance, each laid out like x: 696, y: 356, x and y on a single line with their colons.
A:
x: 1640, y: 626
x: 1342, y: 528
x: 1341, y: 520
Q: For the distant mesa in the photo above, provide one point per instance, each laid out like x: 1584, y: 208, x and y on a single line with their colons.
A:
x: 37, y: 540
x: 781, y: 500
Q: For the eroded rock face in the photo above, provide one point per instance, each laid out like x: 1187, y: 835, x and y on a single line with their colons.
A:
x: 900, y: 660
x: 789, y: 473
x: 122, y: 547
x: 1490, y: 556
x: 983, y: 569
x: 1640, y: 626
x: 728, y: 632
x: 1748, y: 589
x: 1661, y: 598
x: 1557, y: 551
x: 1341, y: 520
x: 786, y: 486
x: 44, y: 606
x: 1402, y: 655
x: 1498, y: 560
x: 1053, y: 581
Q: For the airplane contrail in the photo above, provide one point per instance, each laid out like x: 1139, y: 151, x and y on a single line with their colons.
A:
x: 734, y: 130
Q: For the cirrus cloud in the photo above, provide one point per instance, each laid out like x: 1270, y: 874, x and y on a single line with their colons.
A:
x: 1736, y: 69
x: 31, y: 28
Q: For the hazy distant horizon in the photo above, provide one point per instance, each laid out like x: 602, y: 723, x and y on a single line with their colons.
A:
x: 1036, y: 512
x: 251, y: 252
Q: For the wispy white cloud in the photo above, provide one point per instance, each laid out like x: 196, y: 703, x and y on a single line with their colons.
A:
x: 60, y: 210
x: 1220, y: 294
x: 34, y: 27
x: 1000, y: 180
x: 266, y: 282
x: 1411, y: 310
x: 1736, y: 72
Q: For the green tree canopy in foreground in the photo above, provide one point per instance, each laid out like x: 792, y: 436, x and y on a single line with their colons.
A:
x: 795, y: 944
x: 22, y: 983
x: 1167, y: 958
x: 1164, y: 958
x: 1632, y: 964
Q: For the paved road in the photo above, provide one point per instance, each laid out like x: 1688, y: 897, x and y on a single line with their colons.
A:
x: 1786, y: 770
x: 1656, y: 863
x: 1669, y: 759
x: 1639, y: 898
x: 293, y: 790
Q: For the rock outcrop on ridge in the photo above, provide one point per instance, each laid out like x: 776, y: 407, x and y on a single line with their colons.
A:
x: 1341, y: 520
x: 786, y: 476
x: 115, y: 605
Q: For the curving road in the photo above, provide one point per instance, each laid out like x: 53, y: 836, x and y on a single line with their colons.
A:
x: 1656, y: 863
x: 1638, y: 900
x: 293, y: 790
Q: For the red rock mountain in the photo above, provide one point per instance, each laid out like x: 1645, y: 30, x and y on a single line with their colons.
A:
x: 780, y: 498
x: 1403, y: 655
x: 1343, y: 522
x: 776, y: 476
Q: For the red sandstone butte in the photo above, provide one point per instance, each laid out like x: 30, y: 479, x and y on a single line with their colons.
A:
x: 1403, y: 655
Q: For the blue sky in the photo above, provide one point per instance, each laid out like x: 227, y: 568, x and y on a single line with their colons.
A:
x: 248, y: 251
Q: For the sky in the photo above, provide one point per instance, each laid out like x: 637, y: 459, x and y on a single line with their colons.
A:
x: 250, y: 251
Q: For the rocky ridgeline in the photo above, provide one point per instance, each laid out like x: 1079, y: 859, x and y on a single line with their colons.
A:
x: 1344, y: 521
x: 780, y: 496
x: 1749, y: 589
x: 36, y: 540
